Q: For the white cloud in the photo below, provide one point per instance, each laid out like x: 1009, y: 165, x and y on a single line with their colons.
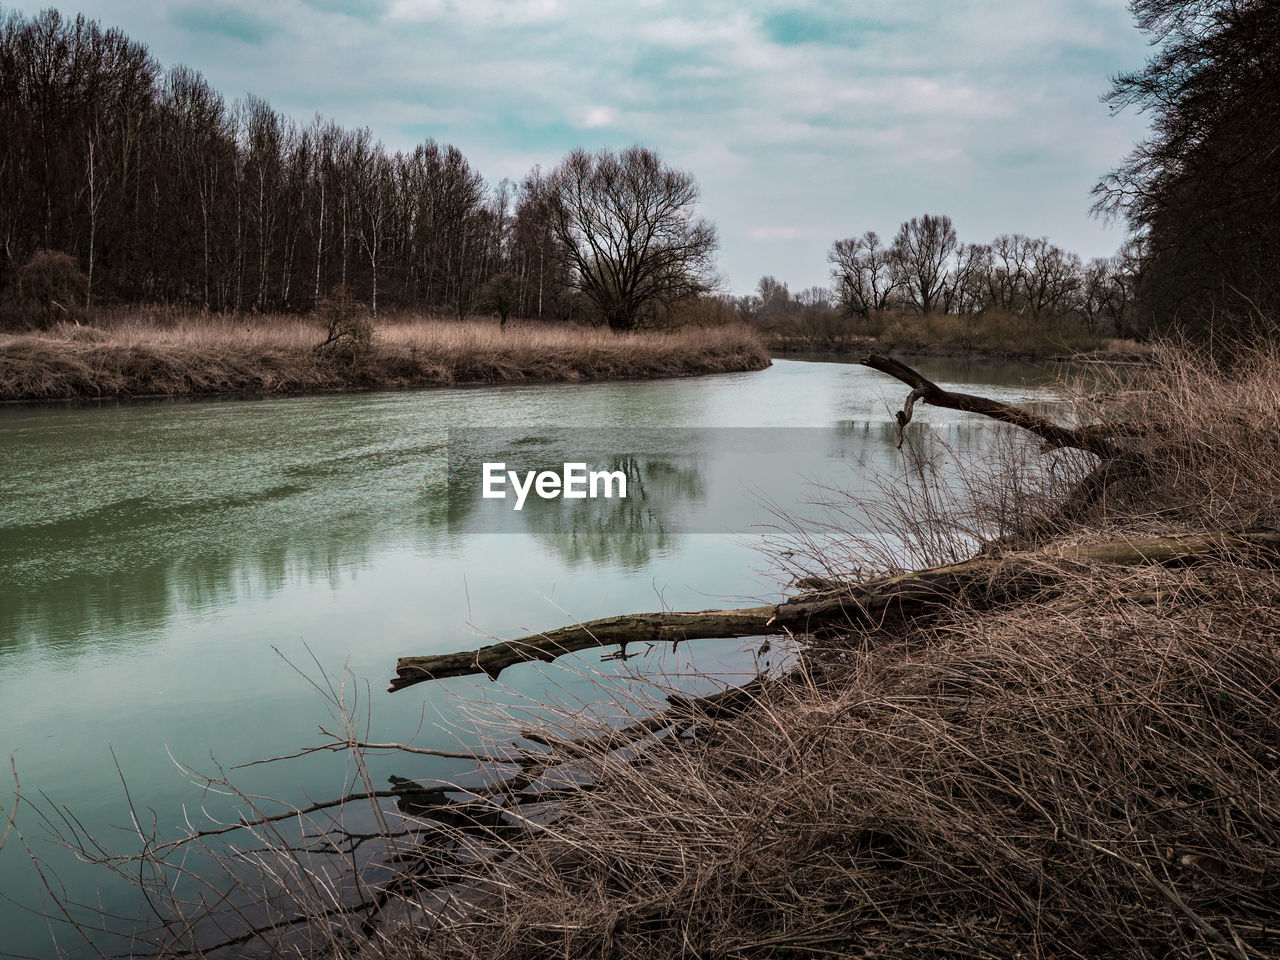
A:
x: 598, y: 117
x: 504, y: 12
x: 409, y: 11
x: 768, y: 234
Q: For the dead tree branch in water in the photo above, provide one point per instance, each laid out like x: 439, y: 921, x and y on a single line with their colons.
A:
x: 445, y: 825
x: 1093, y: 439
x: 984, y: 579
x: 1117, y: 463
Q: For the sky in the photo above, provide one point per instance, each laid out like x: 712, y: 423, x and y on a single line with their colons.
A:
x: 802, y: 122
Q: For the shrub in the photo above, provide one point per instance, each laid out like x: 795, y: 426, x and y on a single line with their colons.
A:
x: 500, y: 294
x: 992, y: 331
x: 346, y: 321
x: 50, y: 287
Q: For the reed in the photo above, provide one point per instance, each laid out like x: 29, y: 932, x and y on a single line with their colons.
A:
x: 157, y: 355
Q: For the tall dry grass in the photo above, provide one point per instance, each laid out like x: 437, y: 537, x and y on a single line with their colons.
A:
x: 1087, y: 777
x: 1208, y: 436
x: 1090, y: 771
x: 193, y: 355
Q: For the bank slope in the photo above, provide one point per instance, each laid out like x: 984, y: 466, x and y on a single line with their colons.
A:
x: 243, y: 356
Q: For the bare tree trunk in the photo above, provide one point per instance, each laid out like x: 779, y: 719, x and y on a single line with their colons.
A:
x: 345, y: 237
x: 982, y: 580
x: 319, y: 240
x: 93, y: 223
x: 1094, y: 440
x: 204, y: 218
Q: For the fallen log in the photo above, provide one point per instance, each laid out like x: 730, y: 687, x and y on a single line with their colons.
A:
x: 991, y: 578
x: 1096, y: 439
x: 1117, y: 463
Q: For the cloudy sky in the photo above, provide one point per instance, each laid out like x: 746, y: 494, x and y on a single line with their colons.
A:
x: 803, y: 122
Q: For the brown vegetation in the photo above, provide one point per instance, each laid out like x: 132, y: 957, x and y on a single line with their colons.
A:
x: 1032, y: 301
x: 201, y: 356
x: 1085, y: 775
x: 992, y: 333
x: 1088, y: 769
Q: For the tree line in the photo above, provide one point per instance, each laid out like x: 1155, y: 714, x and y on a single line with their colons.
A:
x: 161, y: 191
x: 1199, y: 195
x: 1200, y: 191
x: 926, y: 268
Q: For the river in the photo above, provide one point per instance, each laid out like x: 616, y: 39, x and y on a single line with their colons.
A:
x: 169, y: 570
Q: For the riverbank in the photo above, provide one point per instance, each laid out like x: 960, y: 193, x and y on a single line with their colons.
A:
x: 210, y: 356
x: 1073, y: 754
x: 1111, y: 350
x: 993, y: 334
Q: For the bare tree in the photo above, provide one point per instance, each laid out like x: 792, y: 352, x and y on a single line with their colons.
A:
x: 865, y: 272
x: 372, y: 186
x: 626, y: 225
x: 1054, y: 278
x: 965, y: 292
x: 923, y: 248
x: 264, y: 144
x: 1200, y: 187
x: 775, y: 298
x: 1007, y: 276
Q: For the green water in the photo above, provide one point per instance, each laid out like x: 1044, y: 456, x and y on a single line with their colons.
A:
x: 164, y: 567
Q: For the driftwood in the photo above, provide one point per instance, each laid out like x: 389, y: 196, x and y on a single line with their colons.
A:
x: 449, y: 823
x: 1117, y: 463
x: 990, y: 578
x: 1096, y: 439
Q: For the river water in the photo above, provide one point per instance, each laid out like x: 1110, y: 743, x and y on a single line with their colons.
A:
x: 170, y: 571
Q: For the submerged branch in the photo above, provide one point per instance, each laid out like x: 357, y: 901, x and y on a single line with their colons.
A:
x: 985, y: 579
x: 1094, y: 439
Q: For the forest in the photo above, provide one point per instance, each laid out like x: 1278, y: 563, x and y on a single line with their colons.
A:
x: 164, y: 192
x: 926, y: 287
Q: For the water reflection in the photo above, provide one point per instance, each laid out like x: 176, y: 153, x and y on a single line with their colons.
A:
x: 93, y: 579
x: 118, y: 571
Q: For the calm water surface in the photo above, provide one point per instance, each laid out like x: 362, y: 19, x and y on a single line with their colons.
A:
x: 163, y: 565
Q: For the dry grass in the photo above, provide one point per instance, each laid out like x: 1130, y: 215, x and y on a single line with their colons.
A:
x: 197, y: 356
x: 1092, y: 771
x: 1086, y: 777
x: 991, y: 332
x: 1210, y: 439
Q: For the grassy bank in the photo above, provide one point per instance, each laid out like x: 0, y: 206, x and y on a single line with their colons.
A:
x: 1090, y: 769
x: 203, y: 356
x: 993, y: 333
